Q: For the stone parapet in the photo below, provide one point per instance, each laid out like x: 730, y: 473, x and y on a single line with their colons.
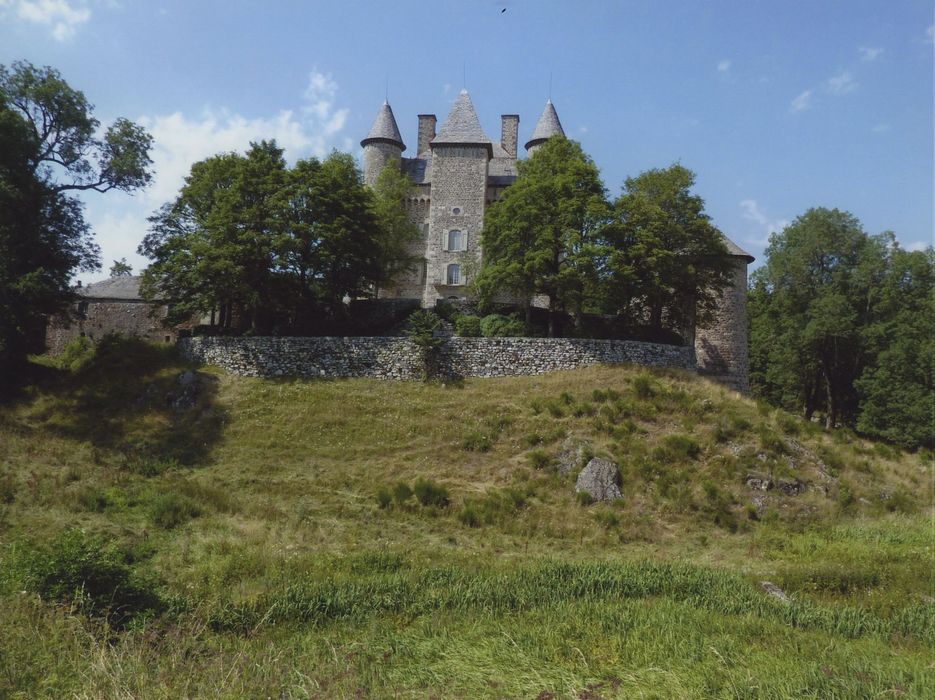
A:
x: 398, y: 358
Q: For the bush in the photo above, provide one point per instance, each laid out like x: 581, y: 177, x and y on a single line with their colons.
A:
x: 497, y: 326
x: 476, y: 442
x: 429, y: 493
x: 540, y: 459
x: 401, y: 493
x: 584, y: 498
x: 676, y: 448
x: 76, y: 354
x: 170, y: 510
x: 468, y: 326
x: 643, y: 387
x: 80, y: 570
x: 384, y: 497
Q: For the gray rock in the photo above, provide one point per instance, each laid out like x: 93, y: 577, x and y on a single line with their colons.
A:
x: 759, y: 483
x: 775, y: 591
x: 572, y: 454
x: 600, y: 479
x: 790, y: 487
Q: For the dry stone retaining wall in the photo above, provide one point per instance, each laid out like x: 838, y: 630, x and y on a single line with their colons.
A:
x: 398, y: 358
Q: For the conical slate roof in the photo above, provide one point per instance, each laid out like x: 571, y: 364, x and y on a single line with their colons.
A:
x: 384, y: 128
x: 462, y: 125
x: 547, y: 126
x: 735, y: 250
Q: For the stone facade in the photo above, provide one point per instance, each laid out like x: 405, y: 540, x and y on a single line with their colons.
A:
x: 111, y: 306
x: 398, y: 358
x: 458, y: 172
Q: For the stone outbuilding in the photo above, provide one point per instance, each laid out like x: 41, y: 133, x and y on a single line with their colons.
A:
x: 111, y: 306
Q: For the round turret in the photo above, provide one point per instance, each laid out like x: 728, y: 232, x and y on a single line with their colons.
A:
x: 383, y: 144
x: 547, y: 127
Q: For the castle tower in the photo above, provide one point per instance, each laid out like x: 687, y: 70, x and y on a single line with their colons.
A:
x: 547, y: 126
x: 383, y: 144
x: 460, y: 154
x: 721, y: 348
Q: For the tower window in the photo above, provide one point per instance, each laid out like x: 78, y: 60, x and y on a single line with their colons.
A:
x: 454, y: 275
x: 456, y: 241
x: 456, y: 210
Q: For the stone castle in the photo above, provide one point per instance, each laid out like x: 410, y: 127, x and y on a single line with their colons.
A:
x: 458, y: 171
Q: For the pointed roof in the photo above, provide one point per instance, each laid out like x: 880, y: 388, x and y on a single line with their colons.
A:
x: 547, y: 126
x: 462, y: 125
x: 735, y: 251
x: 384, y: 128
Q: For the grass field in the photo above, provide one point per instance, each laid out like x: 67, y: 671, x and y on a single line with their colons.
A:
x: 168, y: 535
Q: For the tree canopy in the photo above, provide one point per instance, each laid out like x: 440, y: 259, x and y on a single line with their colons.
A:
x: 273, y: 248
x: 665, y: 260
x: 543, y: 235
x: 50, y: 147
x: 842, y: 324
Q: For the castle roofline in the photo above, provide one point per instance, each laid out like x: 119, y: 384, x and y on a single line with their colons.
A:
x: 547, y: 126
x: 462, y: 127
x: 735, y: 251
x: 384, y: 129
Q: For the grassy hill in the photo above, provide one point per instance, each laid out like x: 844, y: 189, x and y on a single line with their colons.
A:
x: 171, y: 531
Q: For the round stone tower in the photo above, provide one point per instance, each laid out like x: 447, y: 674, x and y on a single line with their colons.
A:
x: 547, y: 126
x: 721, y: 347
x: 383, y: 144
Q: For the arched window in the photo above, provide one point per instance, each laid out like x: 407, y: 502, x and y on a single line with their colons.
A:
x: 454, y: 275
x: 456, y: 241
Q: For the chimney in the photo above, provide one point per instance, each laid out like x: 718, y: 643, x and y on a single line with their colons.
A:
x: 426, y: 132
x: 509, y: 131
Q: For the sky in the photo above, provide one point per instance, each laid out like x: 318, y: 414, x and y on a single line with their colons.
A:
x: 777, y: 106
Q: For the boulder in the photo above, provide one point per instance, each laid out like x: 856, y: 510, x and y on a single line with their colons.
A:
x: 791, y: 487
x: 759, y: 483
x: 775, y: 591
x: 600, y: 479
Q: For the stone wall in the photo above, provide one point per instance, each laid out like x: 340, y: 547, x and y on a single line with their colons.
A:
x: 95, y: 319
x: 398, y: 358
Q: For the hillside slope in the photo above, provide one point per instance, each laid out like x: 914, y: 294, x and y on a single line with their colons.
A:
x: 244, y: 537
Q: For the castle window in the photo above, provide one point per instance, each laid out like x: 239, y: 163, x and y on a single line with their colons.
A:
x: 454, y: 275
x: 456, y: 210
x: 456, y: 241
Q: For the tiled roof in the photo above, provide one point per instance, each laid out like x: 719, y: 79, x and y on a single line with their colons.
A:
x: 735, y: 250
x: 384, y: 128
x: 548, y: 125
x: 462, y: 125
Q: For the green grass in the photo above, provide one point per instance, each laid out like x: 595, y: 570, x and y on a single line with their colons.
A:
x: 357, y: 538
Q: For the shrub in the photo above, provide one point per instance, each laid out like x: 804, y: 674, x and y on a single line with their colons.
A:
x: 539, y: 459
x: 76, y: 354
x: 80, y: 570
x: 384, y: 497
x: 497, y: 325
x: 401, y: 493
x: 676, y: 448
x: 468, y: 326
x: 476, y: 442
x: 429, y: 493
x: 643, y: 387
x: 584, y: 498
x: 170, y: 510
x: 607, y: 518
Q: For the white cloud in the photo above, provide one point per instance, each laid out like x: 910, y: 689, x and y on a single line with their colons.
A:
x: 916, y: 246
x: 881, y: 128
x: 802, y: 102
x: 842, y: 84
x: 63, y: 17
x: 766, y: 226
x: 179, y: 140
x: 723, y: 66
x: 869, y: 53
x: 583, y: 129
x: 930, y: 34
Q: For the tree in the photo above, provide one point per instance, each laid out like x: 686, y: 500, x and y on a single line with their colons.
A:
x: 120, y: 268
x: 542, y: 236
x: 214, y: 247
x: 268, y: 247
x: 666, y: 263
x: 49, y: 147
x: 398, y: 232
x: 813, y: 300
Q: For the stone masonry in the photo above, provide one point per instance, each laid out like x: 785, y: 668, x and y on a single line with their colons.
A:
x: 398, y: 358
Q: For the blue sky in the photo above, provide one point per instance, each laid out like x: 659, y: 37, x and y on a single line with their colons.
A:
x: 777, y: 106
